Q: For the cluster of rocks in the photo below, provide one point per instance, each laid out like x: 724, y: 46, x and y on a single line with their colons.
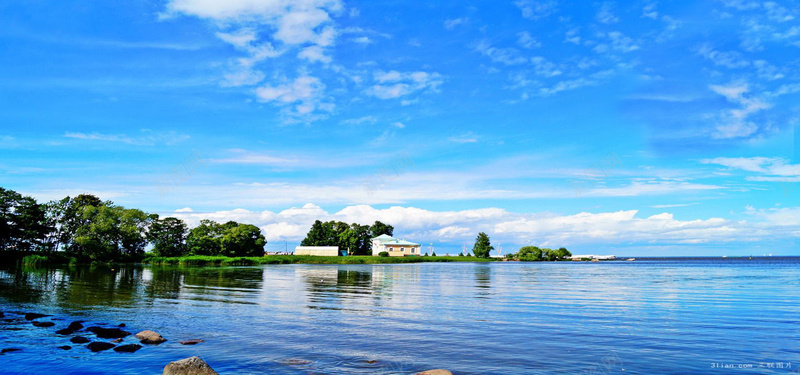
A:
x: 79, y: 334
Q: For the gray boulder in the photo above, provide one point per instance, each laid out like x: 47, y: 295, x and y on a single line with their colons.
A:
x: 189, y: 366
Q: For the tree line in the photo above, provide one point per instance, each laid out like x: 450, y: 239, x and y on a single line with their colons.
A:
x: 89, y: 229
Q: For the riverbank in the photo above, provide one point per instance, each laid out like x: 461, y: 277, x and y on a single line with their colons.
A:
x: 300, y: 259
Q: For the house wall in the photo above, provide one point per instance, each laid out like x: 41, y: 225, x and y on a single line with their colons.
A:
x: 327, y: 251
x: 394, y: 250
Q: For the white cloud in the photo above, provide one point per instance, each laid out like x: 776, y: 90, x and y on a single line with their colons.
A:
x: 266, y: 29
x: 606, y: 14
x: 305, y: 93
x: 543, y: 229
x: 145, y: 138
x: 399, y: 125
x: 452, y: 23
x: 507, y: 56
x: 732, y: 59
x: 771, y: 167
x: 535, y: 9
x: 363, y: 40
x: 314, y: 53
x: 526, y: 40
x: 467, y: 137
x: 394, y: 84
x: 734, y: 123
x: 360, y: 120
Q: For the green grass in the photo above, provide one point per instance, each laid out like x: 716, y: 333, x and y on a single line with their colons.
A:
x: 48, y: 259
x: 295, y: 259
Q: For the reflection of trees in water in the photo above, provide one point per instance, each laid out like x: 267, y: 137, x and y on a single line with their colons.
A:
x: 224, y: 277
x: 25, y: 285
x: 71, y: 286
x: 232, y: 284
x: 164, y: 282
x: 329, y: 285
x: 99, y: 286
x: 483, y: 276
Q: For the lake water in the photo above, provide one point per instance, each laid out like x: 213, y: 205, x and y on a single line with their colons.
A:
x: 658, y: 316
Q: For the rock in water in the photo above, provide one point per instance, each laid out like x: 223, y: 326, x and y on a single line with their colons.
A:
x: 108, y: 333
x: 65, y: 347
x: 43, y: 324
x: 32, y: 316
x: 99, y: 346
x: 65, y: 331
x: 150, y: 337
x: 189, y: 366
x: 435, y: 372
x: 191, y: 342
x: 9, y: 350
x: 79, y: 340
x: 130, y: 348
x: 75, y: 326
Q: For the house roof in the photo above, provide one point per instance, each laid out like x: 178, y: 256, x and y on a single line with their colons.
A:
x: 389, y: 240
x: 401, y: 242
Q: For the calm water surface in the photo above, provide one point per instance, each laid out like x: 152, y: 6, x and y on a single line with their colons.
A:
x: 659, y: 316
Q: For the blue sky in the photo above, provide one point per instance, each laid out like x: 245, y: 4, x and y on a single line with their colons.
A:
x: 633, y: 128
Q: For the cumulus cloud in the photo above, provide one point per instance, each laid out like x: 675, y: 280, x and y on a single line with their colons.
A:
x: 543, y: 229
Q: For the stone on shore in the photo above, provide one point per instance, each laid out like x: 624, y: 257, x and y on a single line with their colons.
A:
x: 99, y: 346
x: 130, y: 348
x: 79, y: 340
x: 108, y: 333
x: 189, y: 366
x: 150, y: 337
x: 32, y: 316
x: 43, y: 324
x: 435, y: 372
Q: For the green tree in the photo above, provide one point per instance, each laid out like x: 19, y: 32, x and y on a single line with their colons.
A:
x: 22, y: 222
x: 243, y: 240
x: 204, y: 239
x: 562, y: 253
x: 529, y: 254
x: 482, y: 246
x: 379, y: 228
x: 168, y: 236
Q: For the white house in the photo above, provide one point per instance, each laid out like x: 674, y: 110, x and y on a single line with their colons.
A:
x: 395, y: 247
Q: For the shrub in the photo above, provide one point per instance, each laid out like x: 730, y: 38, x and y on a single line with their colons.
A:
x: 383, y: 254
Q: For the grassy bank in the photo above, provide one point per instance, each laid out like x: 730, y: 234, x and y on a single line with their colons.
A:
x: 298, y: 259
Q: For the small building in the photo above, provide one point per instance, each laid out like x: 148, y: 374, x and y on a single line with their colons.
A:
x: 320, y: 251
x: 395, y: 247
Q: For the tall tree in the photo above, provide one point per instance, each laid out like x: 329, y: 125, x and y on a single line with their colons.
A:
x: 22, y: 222
x: 482, y: 246
x: 168, y: 236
